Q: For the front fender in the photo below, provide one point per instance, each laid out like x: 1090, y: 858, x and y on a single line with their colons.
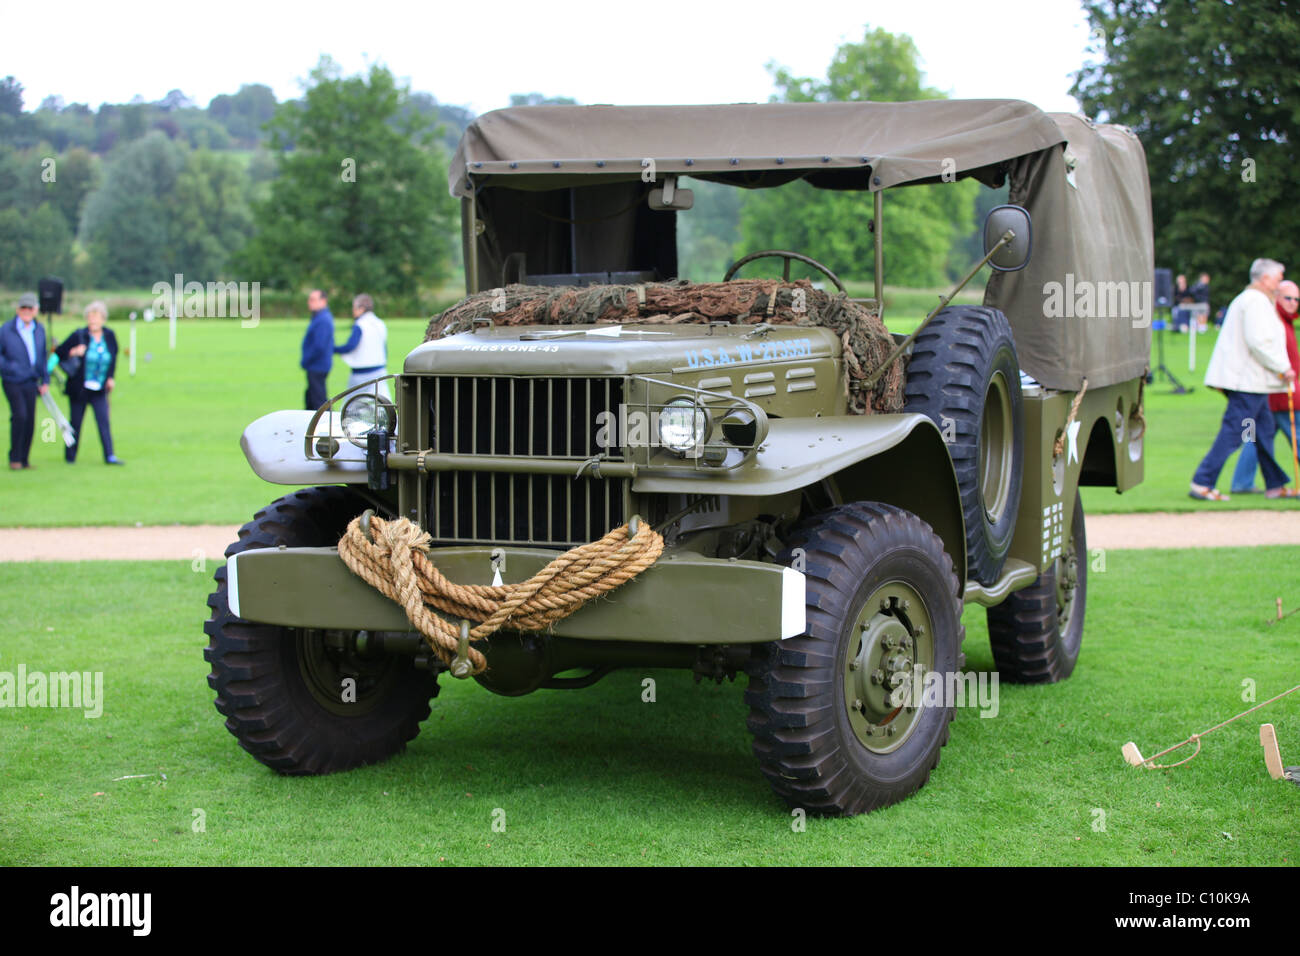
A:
x: 273, y: 446
x: 895, y: 459
x: 798, y: 452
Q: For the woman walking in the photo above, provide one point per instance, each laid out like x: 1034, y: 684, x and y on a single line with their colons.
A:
x: 95, y: 350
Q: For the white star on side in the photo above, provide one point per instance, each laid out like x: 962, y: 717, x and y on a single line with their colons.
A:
x: 1072, y: 433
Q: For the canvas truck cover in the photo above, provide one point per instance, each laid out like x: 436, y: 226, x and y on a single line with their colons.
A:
x: 1082, y: 307
x: 1085, y: 186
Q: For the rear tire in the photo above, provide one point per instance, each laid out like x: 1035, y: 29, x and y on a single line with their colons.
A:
x: 882, y: 599
x: 1037, y: 632
x: 964, y: 375
x: 281, y: 688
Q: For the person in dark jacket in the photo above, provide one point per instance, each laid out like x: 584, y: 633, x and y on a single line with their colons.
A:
x: 318, y: 348
x: 96, y: 349
x: 23, y: 375
x: 1200, y: 294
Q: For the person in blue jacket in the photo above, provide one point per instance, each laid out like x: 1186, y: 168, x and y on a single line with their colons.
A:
x: 96, y: 347
x: 318, y: 348
x: 23, y: 375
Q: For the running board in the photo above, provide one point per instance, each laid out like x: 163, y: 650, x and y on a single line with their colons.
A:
x: 1016, y: 574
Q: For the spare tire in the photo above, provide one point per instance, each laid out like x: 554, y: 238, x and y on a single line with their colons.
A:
x: 964, y: 375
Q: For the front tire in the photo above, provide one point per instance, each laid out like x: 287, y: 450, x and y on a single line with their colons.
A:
x: 282, y: 689
x: 837, y: 727
x: 1037, y: 632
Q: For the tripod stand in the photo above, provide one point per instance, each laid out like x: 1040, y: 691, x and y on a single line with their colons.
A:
x: 1161, y: 368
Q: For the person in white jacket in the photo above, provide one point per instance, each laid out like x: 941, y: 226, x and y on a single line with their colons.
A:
x: 1249, y: 362
x: 366, y: 350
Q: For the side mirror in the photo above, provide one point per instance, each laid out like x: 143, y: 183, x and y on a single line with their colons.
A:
x: 1013, y: 256
x: 670, y: 197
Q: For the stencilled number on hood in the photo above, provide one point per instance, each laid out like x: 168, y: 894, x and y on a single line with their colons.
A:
x: 761, y: 352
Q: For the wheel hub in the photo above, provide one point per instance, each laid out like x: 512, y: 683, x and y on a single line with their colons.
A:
x: 997, y: 449
x: 890, y: 650
x: 328, y: 659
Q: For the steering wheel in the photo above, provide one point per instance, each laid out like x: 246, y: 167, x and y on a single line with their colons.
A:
x: 785, y: 274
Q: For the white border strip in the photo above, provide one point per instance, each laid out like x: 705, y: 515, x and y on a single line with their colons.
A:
x: 232, y: 584
x: 794, y: 597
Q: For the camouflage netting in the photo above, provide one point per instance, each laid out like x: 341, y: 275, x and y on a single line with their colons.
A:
x: 745, y: 301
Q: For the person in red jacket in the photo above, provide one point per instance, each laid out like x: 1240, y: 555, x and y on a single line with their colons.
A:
x: 1287, y: 304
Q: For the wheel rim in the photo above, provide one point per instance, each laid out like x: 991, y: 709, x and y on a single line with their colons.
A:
x: 890, y: 652
x: 996, y: 448
x: 327, y: 658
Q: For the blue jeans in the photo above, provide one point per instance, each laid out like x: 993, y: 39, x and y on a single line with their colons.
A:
x: 1243, y: 478
x: 1243, y: 408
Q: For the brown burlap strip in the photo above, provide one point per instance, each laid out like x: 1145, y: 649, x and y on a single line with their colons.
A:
x: 396, y: 563
x: 867, y: 342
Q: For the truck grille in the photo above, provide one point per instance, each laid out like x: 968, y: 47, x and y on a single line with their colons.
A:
x: 522, y: 418
x: 527, y: 417
x: 546, y: 510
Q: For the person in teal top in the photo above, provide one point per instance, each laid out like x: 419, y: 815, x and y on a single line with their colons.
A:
x: 95, y: 347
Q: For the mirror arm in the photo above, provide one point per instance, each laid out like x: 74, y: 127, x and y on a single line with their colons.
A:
x: 943, y: 303
x: 878, y: 212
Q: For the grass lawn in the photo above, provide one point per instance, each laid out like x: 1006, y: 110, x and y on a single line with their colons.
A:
x: 601, y: 777
x: 177, y: 424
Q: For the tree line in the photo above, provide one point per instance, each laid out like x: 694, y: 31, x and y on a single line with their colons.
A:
x: 345, y: 188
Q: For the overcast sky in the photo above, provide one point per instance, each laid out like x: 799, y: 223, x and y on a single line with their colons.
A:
x: 476, y: 54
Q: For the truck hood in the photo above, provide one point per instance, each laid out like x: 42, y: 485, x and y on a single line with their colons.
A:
x: 628, y: 349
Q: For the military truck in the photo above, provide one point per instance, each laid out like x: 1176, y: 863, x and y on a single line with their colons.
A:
x: 816, y: 538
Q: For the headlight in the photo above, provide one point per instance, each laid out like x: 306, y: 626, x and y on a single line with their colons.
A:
x: 364, y: 413
x: 683, y: 425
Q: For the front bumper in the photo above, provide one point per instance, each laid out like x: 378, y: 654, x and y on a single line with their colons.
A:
x: 684, y: 598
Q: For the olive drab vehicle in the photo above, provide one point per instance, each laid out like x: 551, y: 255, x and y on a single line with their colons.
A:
x: 825, y: 512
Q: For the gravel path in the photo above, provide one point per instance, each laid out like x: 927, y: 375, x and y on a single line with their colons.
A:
x: 1204, y: 529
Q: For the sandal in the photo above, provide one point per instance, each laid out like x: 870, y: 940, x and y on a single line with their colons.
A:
x: 1283, y: 492
x: 1201, y: 493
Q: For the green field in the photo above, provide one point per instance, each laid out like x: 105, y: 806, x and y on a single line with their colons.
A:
x: 177, y: 424
x: 599, y: 776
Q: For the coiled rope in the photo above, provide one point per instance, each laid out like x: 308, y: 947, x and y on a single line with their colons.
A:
x: 396, y: 563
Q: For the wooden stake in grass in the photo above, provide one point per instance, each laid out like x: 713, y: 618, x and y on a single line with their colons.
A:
x: 1273, y: 756
x: 1280, y: 615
